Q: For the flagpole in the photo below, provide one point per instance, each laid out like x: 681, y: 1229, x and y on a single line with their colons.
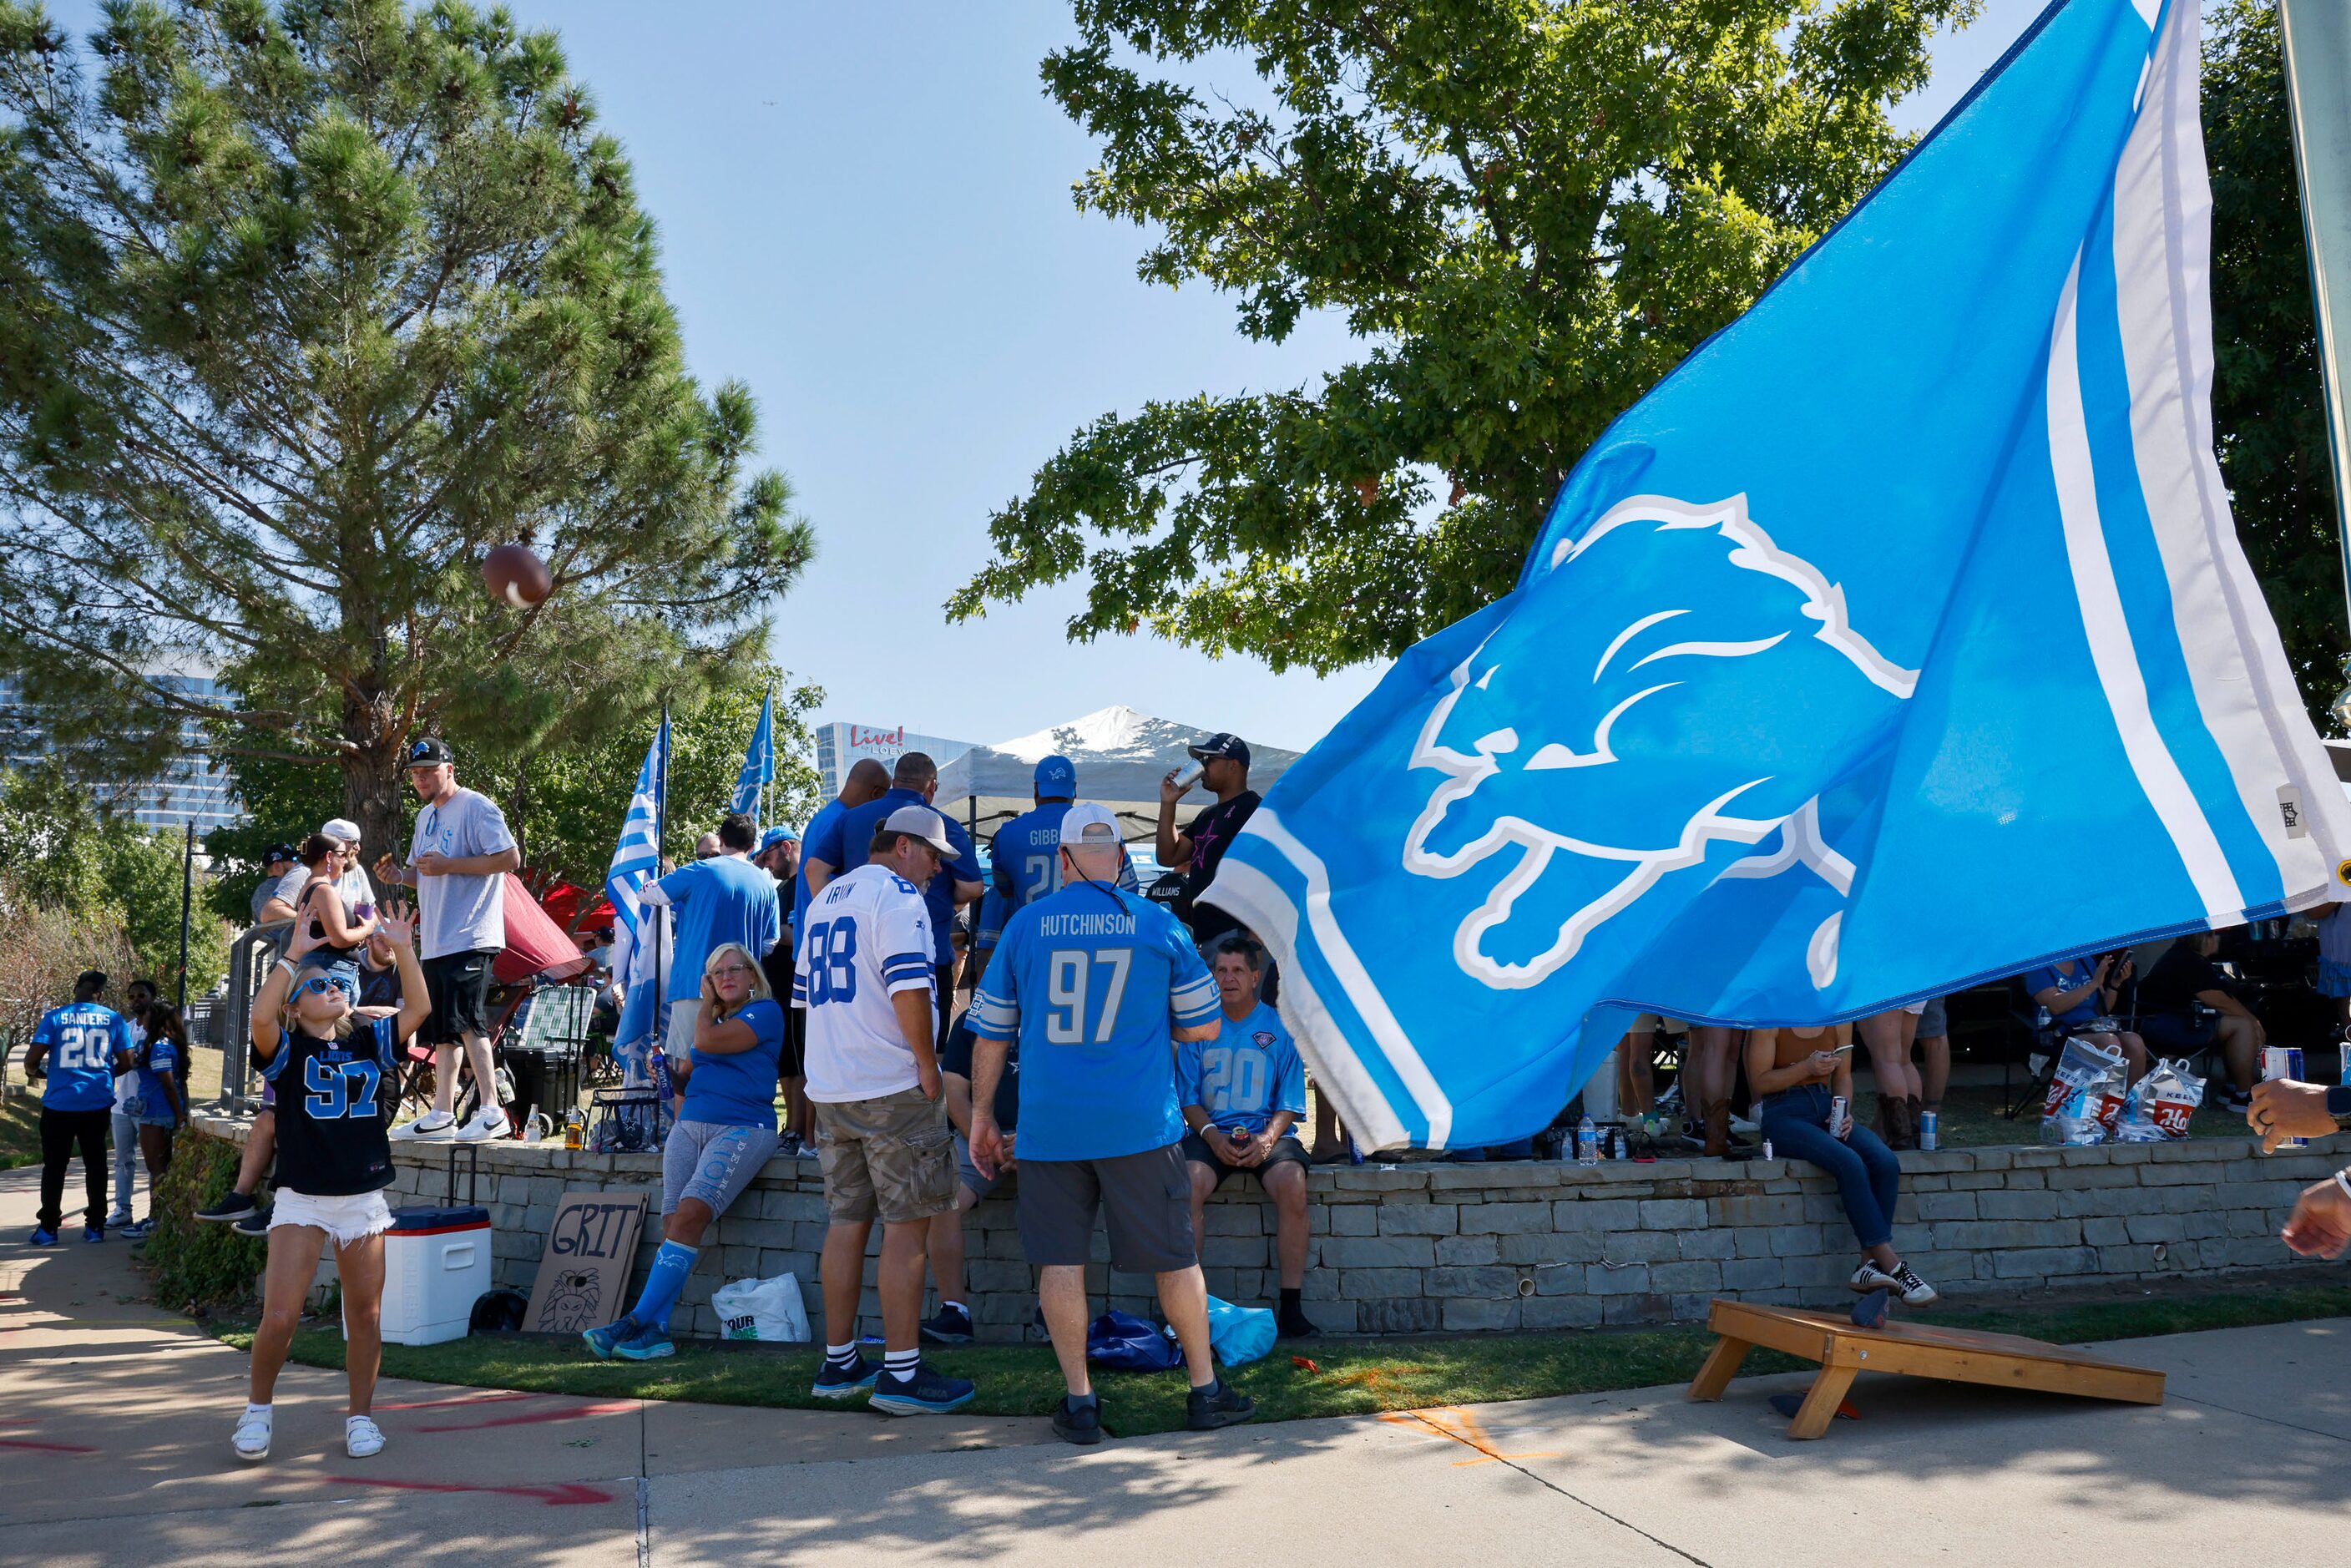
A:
x: 661, y: 847
x: 2314, y: 36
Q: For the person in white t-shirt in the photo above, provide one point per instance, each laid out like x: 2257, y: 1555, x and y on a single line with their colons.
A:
x: 864, y: 977
x: 457, y: 861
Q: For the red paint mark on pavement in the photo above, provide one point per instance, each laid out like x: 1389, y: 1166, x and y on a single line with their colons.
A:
x: 51, y: 1448
x: 533, y: 1418
x: 468, y: 1399
x: 1462, y: 1426
x: 564, y: 1494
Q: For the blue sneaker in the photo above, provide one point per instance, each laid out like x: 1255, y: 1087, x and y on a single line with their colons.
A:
x: 93, y: 1233
x: 840, y: 1383
x: 43, y: 1236
x: 927, y: 1393
x: 650, y: 1343
x: 603, y: 1341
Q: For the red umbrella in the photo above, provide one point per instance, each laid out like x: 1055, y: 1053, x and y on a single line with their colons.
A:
x: 535, y: 943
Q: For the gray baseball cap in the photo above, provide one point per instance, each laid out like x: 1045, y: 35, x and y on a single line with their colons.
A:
x: 923, y: 823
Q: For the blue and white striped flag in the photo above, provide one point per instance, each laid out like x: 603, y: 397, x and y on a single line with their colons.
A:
x: 758, y: 761
x: 637, y: 861
x: 1900, y: 639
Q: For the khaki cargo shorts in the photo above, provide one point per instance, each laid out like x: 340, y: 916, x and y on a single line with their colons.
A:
x: 893, y: 1157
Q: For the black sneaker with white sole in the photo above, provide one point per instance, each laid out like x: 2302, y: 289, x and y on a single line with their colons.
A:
x: 254, y: 1222
x: 1076, y: 1423
x: 236, y: 1205
x: 948, y: 1326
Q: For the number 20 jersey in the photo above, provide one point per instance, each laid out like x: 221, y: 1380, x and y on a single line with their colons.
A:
x: 864, y: 938
x: 332, y: 1096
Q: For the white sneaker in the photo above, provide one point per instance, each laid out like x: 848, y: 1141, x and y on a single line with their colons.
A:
x: 488, y: 1123
x: 362, y: 1438
x: 1870, y: 1277
x: 432, y: 1126
x: 1915, y: 1291
x: 251, y: 1438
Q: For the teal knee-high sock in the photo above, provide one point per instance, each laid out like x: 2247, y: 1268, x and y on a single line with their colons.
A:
x: 664, y: 1281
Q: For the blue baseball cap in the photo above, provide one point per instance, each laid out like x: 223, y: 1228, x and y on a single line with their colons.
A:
x: 777, y: 835
x: 1056, y: 778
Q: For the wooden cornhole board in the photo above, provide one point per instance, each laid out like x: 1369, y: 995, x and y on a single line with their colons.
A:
x: 1955, y: 1356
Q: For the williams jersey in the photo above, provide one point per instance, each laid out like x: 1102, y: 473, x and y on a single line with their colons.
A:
x: 867, y: 937
x: 1025, y: 865
x: 81, y: 1038
x: 334, y: 1098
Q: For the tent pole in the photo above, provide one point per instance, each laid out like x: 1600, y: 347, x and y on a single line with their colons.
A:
x: 2316, y: 38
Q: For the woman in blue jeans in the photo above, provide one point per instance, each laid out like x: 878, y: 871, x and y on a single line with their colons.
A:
x: 1795, y: 1075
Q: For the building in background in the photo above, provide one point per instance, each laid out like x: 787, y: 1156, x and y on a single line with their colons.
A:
x: 193, y: 788
x: 841, y: 747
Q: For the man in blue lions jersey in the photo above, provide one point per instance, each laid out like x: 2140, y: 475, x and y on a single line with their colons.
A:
x: 1243, y: 1091
x: 74, y: 1052
x: 1090, y: 981
x: 1025, y: 855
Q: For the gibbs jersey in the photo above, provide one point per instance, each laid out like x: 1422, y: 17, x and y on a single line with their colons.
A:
x: 1089, y: 980
x: 333, y: 1097
x: 866, y: 937
x: 82, y: 1037
x: 1025, y: 865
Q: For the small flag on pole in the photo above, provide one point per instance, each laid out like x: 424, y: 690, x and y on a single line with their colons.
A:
x: 637, y: 861
x: 758, y: 760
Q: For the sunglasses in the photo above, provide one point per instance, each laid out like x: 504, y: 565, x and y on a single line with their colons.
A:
x: 320, y: 984
x: 732, y: 969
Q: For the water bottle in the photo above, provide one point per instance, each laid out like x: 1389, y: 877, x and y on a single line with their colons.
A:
x: 1587, y: 1143
x: 2040, y: 1020
x: 657, y: 1063
x: 1767, y: 1148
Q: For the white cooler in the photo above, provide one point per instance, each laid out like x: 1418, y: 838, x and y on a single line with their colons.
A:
x: 436, y: 1264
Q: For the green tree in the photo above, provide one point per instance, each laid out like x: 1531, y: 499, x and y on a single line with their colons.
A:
x: 304, y: 306
x: 2268, y: 399
x: 1527, y: 211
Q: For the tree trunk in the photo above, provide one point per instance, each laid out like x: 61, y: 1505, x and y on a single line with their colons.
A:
x: 374, y: 779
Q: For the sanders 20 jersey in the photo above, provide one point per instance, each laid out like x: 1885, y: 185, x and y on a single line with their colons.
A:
x: 82, y: 1037
x: 1025, y: 865
x: 866, y: 937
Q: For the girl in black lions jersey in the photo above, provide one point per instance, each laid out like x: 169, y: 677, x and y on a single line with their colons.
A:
x: 334, y: 1078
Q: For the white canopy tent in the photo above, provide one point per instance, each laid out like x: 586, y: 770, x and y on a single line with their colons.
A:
x: 1121, y: 755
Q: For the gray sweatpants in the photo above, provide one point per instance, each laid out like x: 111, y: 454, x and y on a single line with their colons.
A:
x: 126, y: 1168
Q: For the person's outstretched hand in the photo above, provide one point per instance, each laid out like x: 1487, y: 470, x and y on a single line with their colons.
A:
x: 2321, y: 1223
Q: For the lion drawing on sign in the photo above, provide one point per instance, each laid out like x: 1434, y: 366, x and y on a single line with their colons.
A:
x: 1681, y: 682
x: 570, y: 1305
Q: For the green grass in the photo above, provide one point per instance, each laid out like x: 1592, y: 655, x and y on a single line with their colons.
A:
x: 20, y: 1131
x: 1346, y: 1377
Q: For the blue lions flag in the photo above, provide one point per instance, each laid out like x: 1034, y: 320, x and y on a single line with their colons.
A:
x: 1898, y: 640
x: 758, y: 761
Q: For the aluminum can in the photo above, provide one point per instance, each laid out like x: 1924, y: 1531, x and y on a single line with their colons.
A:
x: 1838, y: 1109
x: 1930, y: 1129
x: 2283, y: 1062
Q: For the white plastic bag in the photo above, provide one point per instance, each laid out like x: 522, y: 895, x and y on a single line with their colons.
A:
x: 766, y: 1310
x: 2172, y: 1094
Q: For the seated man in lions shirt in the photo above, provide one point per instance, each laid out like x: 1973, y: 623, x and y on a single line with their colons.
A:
x: 1243, y: 1091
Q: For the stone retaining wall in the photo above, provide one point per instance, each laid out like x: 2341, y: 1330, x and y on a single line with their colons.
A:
x: 1423, y: 1247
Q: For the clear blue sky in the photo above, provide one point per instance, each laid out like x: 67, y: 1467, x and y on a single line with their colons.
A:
x: 865, y: 214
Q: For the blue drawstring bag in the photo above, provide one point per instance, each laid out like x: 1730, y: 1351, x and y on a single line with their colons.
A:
x: 1238, y: 1335
x: 1124, y: 1342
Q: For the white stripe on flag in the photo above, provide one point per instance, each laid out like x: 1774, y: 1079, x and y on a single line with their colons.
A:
x: 2111, y: 650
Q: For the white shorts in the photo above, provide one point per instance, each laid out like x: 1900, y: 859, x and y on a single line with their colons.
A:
x: 354, y: 1217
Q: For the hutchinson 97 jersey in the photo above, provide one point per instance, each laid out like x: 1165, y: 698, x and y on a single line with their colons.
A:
x: 865, y: 937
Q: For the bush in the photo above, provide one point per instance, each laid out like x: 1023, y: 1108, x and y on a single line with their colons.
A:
x: 195, y: 1264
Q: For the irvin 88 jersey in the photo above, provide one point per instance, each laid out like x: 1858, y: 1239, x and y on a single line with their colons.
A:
x: 867, y: 937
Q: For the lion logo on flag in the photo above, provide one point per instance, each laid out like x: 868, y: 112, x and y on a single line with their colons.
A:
x: 1677, y: 681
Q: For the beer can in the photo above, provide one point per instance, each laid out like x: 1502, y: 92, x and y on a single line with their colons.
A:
x: 1929, y: 1134
x: 2345, y: 1076
x: 1837, y: 1110
x: 2283, y: 1062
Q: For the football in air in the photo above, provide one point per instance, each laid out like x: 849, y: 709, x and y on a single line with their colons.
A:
x: 515, y: 576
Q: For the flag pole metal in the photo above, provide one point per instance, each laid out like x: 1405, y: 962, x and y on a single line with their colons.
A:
x: 2316, y: 40
x: 660, y: 911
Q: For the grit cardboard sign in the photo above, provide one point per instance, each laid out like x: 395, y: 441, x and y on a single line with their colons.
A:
x: 583, y: 1271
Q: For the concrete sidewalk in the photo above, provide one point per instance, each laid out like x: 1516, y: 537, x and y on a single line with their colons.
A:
x: 114, y: 1422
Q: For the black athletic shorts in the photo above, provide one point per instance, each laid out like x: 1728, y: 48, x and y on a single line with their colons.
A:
x: 1145, y: 1199
x: 459, y: 985
x: 1196, y: 1150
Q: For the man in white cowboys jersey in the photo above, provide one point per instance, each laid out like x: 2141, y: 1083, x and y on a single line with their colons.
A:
x: 864, y: 977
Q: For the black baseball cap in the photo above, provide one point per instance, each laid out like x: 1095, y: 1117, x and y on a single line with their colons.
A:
x: 278, y: 853
x: 1221, y: 745
x: 430, y: 752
